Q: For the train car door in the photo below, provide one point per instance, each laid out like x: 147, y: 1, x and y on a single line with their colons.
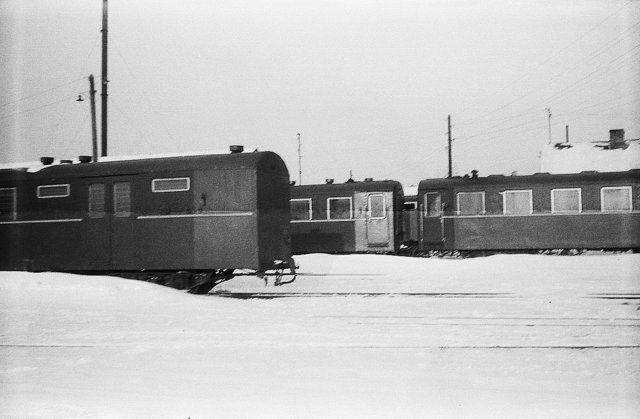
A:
x: 377, y: 220
x: 96, y: 240
x: 433, y: 227
x: 124, y: 240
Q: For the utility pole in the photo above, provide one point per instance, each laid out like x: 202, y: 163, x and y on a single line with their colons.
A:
x: 548, y: 110
x: 94, y: 134
x: 299, y: 162
x: 449, y: 146
x: 105, y: 80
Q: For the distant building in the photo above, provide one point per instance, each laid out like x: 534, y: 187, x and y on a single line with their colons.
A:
x: 614, y: 155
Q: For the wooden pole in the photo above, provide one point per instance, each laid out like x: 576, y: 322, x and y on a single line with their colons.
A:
x: 105, y: 80
x: 449, y: 146
x: 94, y: 134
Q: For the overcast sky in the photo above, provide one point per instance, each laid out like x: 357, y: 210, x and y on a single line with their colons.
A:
x: 368, y: 84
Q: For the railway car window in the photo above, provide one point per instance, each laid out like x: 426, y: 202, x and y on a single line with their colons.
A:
x: 96, y: 200
x: 54, y: 191
x: 339, y: 209
x: 470, y: 203
x: 410, y: 206
x: 377, y: 206
x: 566, y: 200
x: 301, y: 209
x: 122, y: 199
x: 616, y: 198
x: 433, y: 204
x: 177, y: 184
x: 8, y: 204
x: 517, y: 202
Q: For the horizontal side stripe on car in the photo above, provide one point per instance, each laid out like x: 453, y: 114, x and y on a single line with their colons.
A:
x: 200, y: 215
x: 325, y: 221
x: 555, y: 214
x: 62, y: 220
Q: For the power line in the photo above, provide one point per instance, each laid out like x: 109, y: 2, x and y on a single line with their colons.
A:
x: 560, y: 51
x: 36, y: 108
x: 42, y: 92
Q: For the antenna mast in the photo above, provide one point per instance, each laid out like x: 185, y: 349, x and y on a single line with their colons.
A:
x: 548, y: 110
x: 105, y: 80
x: 94, y: 135
x: 449, y: 145
x: 299, y: 162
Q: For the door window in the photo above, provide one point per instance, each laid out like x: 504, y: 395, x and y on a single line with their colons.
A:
x: 377, y: 208
x: 122, y: 199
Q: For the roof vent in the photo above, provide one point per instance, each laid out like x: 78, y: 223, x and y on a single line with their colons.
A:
x: 66, y: 161
x: 236, y: 149
x: 368, y: 179
x: 85, y: 159
x: 328, y: 181
x: 616, y: 139
x: 46, y: 160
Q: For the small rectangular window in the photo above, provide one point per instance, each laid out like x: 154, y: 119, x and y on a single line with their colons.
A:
x: 517, y: 202
x: 96, y: 200
x: 470, y: 203
x: 339, y: 209
x: 122, y: 199
x: 301, y: 209
x: 566, y: 200
x: 432, y: 204
x: 377, y: 208
x: 616, y: 198
x: 410, y: 205
x: 177, y: 184
x: 8, y: 204
x: 54, y: 191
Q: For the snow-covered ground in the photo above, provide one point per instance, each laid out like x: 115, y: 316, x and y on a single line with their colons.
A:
x: 357, y: 336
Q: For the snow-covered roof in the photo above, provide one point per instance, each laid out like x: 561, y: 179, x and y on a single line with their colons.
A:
x: 410, y: 190
x: 578, y: 157
x: 34, y: 166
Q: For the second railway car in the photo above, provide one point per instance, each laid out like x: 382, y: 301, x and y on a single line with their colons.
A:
x: 587, y: 210
x: 206, y: 213
x: 348, y: 217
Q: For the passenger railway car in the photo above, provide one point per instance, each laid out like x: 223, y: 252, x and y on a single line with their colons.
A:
x: 347, y: 217
x: 588, y: 210
x: 206, y: 213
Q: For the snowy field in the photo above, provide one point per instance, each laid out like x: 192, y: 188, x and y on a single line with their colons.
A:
x: 358, y: 336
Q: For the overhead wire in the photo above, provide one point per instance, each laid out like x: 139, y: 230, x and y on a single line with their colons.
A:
x: 36, y: 108
x: 553, y: 56
x: 42, y: 92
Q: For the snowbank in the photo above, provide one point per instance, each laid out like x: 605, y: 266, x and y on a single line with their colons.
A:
x: 353, y: 336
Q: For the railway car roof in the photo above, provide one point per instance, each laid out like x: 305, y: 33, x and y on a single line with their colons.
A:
x: 538, y: 178
x: 260, y: 160
x: 367, y: 186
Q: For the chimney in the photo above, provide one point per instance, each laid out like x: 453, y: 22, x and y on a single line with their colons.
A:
x: 236, y: 149
x: 616, y: 139
x: 85, y: 159
x: 328, y: 181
